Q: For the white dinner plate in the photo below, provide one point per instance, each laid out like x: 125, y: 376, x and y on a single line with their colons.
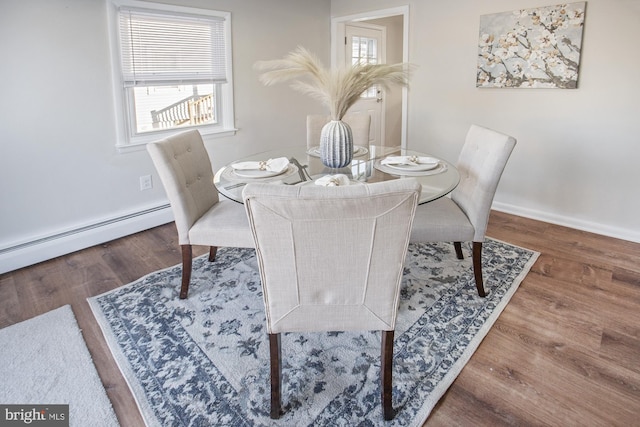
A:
x: 414, y: 168
x: 351, y: 182
x: 440, y: 168
x: 257, y: 173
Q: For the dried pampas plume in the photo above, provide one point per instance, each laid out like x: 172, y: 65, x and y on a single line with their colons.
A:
x: 337, y: 88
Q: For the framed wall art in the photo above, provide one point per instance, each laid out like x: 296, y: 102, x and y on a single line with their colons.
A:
x: 531, y: 48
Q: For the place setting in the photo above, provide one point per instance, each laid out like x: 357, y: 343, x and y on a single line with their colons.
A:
x: 335, y: 180
x: 411, y: 165
x: 263, y: 170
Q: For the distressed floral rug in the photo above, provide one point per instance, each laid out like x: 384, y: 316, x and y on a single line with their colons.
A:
x: 204, y: 361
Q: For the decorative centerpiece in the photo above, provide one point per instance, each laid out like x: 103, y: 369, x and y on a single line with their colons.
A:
x: 336, y: 88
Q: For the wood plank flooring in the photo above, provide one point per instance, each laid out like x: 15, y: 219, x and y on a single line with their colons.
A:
x: 565, y: 351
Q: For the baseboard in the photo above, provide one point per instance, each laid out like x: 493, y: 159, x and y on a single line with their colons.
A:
x: 43, y: 248
x: 591, y: 227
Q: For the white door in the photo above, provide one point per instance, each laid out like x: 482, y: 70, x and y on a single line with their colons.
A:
x: 365, y: 43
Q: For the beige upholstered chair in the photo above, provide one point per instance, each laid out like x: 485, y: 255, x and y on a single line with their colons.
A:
x: 465, y: 215
x: 201, y: 217
x: 360, y: 124
x: 331, y: 259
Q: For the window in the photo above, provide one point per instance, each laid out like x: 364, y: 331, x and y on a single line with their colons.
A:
x: 174, y: 69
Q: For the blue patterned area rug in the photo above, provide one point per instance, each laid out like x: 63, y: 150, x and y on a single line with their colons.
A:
x: 204, y: 361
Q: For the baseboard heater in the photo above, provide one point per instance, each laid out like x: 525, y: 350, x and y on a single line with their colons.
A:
x: 40, y: 249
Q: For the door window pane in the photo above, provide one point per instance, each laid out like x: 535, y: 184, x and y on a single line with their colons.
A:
x: 364, y: 50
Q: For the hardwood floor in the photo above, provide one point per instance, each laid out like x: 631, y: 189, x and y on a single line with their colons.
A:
x: 565, y: 351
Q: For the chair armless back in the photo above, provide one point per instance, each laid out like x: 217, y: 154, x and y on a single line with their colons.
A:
x: 481, y: 163
x: 315, y: 122
x: 331, y: 258
x: 185, y: 170
x: 360, y: 124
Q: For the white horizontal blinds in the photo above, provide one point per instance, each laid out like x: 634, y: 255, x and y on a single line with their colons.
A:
x: 165, y: 48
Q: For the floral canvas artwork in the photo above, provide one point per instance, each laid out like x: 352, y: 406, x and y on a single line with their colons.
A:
x: 531, y: 48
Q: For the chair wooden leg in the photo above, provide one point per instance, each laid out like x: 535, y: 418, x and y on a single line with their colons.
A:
x: 477, y: 267
x: 386, y: 368
x: 213, y: 250
x: 458, y: 247
x: 187, y: 256
x: 276, y: 376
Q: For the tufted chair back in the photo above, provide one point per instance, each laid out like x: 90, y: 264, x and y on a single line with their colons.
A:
x: 481, y: 163
x: 184, y: 167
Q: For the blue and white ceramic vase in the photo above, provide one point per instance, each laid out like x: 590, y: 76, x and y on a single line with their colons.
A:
x: 336, y: 144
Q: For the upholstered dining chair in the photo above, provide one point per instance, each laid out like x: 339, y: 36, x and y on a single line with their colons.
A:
x: 360, y: 124
x: 201, y: 217
x: 464, y: 216
x: 331, y: 259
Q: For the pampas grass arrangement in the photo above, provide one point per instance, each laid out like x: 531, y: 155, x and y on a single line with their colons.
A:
x: 337, y: 88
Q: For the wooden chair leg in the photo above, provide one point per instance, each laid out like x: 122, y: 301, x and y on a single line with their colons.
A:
x: 458, y: 247
x: 477, y: 267
x: 187, y: 256
x: 276, y: 376
x: 386, y: 368
x: 213, y: 250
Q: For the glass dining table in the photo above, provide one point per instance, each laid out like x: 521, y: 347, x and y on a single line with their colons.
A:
x: 368, y: 166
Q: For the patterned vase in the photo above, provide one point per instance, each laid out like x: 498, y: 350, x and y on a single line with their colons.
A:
x: 336, y: 144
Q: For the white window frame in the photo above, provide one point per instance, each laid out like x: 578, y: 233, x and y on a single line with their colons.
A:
x: 127, y: 139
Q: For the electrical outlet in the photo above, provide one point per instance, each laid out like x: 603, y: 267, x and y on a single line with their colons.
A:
x: 146, y: 183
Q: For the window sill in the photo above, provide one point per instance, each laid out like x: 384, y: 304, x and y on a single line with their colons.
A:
x: 141, y: 144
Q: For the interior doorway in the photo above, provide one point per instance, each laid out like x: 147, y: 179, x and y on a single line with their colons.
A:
x: 391, y: 127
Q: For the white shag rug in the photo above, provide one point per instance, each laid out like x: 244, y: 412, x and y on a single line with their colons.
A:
x: 44, y: 360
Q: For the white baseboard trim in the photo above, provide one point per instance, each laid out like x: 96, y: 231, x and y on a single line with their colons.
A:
x: 43, y: 248
x: 591, y: 227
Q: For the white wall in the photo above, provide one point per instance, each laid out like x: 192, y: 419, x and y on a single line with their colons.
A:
x: 63, y: 185
x: 576, y: 161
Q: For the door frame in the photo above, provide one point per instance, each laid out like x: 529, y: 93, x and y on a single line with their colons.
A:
x: 337, y: 48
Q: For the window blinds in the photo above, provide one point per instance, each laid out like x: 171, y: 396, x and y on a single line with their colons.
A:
x: 165, y: 48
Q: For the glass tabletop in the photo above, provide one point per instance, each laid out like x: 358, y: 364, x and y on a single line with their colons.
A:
x: 305, y: 168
